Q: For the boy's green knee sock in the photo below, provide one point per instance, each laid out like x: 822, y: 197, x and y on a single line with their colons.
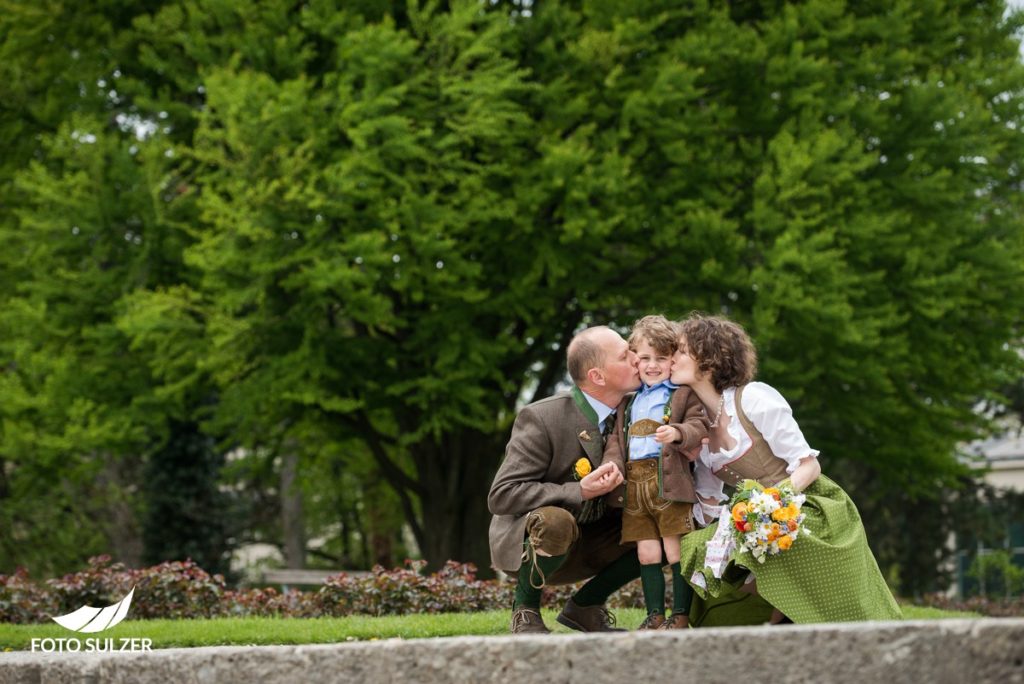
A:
x: 654, y: 588
x: 682, y: 592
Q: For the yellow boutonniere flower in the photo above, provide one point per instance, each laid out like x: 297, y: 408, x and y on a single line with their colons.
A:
x: 581, y: 469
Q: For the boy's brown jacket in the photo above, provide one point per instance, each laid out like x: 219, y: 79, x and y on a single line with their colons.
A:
x: 674, y: 477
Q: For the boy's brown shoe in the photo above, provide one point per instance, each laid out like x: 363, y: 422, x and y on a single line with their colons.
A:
x: 528, y: 621
x: 677, y: 621
x: 587, y: 618
x: 653, y: 621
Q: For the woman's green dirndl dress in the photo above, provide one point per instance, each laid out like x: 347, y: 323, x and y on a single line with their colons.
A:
x: 829, y: 575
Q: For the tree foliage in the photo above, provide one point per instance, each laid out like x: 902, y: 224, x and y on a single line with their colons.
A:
x: 379, y: 224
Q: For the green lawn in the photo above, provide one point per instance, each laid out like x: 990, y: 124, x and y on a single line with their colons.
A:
x: 248, y: 631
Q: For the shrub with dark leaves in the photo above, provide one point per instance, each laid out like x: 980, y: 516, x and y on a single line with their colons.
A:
x: 992, y: 606
x: 178, y: 589
x: 22, y: 601
x: 454, y: 588
x: 269, y: 602
x: 181, y: 589
x: 100, y: 585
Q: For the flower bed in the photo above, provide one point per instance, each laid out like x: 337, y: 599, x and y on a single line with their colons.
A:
x: 181, y: 589
x: 985, y: 605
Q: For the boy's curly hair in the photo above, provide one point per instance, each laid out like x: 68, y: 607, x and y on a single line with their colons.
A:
x: 661, y: 333
x: 721, y: 348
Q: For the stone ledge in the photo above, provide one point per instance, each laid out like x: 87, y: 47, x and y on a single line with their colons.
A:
x: 955, y: 651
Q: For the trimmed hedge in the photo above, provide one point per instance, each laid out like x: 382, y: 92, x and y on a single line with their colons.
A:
x: 181, y: 589
x: 991, y: 606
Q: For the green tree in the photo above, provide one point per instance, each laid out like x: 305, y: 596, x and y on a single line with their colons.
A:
x: 388, y: 222
x: 85, y: 219
x: 186, y: 515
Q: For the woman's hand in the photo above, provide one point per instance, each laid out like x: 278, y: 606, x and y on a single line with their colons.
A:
x: 805, y: 473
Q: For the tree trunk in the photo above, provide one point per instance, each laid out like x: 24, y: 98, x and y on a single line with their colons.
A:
x: 456, y: 477
x: 292, y: 524
x: 122, y: 525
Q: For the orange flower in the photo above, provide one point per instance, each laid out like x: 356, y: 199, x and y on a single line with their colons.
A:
x: 792, y: 525
x: 739, y: 511
x: 772, y: 491
x: 785, y: 541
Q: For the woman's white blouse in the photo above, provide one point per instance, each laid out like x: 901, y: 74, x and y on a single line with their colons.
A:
x: 770, y: 413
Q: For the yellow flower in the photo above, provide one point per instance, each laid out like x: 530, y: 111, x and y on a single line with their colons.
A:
x: 739, y: 511
x: 785, y: 541
x: 773, y: 492
x: 781, y: 514
x: 582, y: 468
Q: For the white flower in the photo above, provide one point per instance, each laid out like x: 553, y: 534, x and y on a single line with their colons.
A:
x: 763, y: 503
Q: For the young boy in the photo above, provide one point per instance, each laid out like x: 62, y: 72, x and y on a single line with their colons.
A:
x: 655, y: 440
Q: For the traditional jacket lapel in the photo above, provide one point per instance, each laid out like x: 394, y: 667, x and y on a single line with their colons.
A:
x: 593, y: 444
x: 587, y: 432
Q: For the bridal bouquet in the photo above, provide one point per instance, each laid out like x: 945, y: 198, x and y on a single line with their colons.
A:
x: 767, y: 520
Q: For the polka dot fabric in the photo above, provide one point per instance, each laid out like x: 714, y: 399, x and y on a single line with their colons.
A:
x: 829, y: 575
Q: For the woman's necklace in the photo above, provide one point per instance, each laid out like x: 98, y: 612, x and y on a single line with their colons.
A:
x: 718, y: 413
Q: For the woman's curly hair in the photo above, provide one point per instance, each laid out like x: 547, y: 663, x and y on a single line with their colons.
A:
x: 721, y: 348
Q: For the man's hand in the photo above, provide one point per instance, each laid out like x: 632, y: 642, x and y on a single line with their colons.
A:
x: 600, y: 481
x: 666, y: 434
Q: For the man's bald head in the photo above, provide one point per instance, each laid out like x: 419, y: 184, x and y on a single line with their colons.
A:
x: 587, y: 350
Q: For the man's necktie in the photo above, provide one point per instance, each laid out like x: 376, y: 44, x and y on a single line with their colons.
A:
x: 594, y: 509
x: 609, y: 427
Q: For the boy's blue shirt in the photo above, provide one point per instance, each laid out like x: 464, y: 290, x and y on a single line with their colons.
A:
x: 649, y: 402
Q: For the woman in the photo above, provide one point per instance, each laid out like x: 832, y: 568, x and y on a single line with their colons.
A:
x: 826, y: 576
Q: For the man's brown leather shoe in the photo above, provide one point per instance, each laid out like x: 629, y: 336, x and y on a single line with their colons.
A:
x: 528, y: 621
x: 677, y: 621
x: 587, y: 618
x: 653, y: 621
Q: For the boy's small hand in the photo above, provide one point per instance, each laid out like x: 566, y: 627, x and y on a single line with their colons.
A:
x: 666, y: 434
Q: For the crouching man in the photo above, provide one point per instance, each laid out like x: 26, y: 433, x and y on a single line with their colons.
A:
x: 550, y: 523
